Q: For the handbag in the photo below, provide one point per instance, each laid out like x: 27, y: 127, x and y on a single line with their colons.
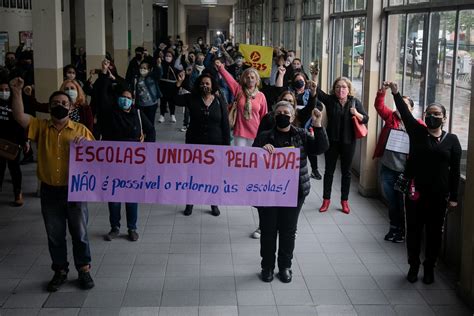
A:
x: 360, y: 130
x: 8, y: 150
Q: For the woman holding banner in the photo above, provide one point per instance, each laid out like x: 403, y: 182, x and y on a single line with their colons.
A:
x: 250, y: 102
x: 209, y: 123
x: 278, y: 221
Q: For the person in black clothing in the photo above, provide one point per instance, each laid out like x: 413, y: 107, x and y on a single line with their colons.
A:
x: 122, y: 122
x: 278, y: 221
x: 133, y: 69
x: 341, y: 106
x: 167, y: 82
x: 209, y: 122
x: 13, y: 132
x: 434, y: 165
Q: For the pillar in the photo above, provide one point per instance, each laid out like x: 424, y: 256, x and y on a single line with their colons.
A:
x: 80, y: 26
x: 120, y: 35
x: 298, y: 35
x: 466, y: 282
x: 172, y: 19
x: 136, y: 23
x: 48, y: 47
x: 66, y: 33
x: 368, y: 166
x: 148, y: 25
x: 182, y: 22
x: 95, y: 32
x: 324, y: 60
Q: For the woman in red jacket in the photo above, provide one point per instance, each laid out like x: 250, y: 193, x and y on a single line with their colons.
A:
x: 392, y: 165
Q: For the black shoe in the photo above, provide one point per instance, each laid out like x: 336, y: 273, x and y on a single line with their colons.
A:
x: 399, y: 237
x: 316, y: 175
x: 58, y: 279
x: 285, y: 275
x: 390, y: 235
x: 215, y: 210
x: 428, y: 275
x: 267, y: 275
x: 412, y: 275
x: 85, y: 280
x: 132, y: 235
x: 188, y: 210
x: 113, y: 233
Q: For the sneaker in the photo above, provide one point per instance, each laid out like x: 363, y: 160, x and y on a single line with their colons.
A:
x: 398, y: 237
x: 256, y: 234
x: 184, y: 128
x: 391, y: 233
x: 316, y: 175
x: 114, y: 232
x: 58, y: 279
x: 161, y: 119
x: 173, y: 119
x: 132, y: 235
x: 85, y: 280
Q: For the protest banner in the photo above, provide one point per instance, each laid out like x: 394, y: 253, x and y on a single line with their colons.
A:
x: 168, y: 173
x: 258, y: 57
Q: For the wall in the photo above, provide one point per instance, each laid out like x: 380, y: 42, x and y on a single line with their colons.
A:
x: 13, y: 21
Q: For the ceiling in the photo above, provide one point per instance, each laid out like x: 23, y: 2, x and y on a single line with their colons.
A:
x: 198, y: 2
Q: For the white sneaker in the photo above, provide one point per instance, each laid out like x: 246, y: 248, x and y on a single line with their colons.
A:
x: 183, y: 129
x: 256, y: 234
x: 161, y: 119
x: 173, y: 119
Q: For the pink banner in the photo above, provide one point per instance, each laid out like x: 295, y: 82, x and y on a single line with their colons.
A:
x: 167, y: 173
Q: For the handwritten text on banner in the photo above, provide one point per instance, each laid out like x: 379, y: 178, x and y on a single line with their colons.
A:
x: 167, y: 173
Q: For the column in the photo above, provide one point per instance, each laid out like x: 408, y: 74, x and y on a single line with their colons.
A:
x: 95, y: 32
x: 466, y: 282
x: 120, y: 35
x: 368, y: 166
x: 182, y: 22
x: 66, y: 21
x: 148, y: 25
x: 136, y: 23
x: 172, y: 18
x: 324, y: 62
x: 48, y: 47
x: 299, y: 13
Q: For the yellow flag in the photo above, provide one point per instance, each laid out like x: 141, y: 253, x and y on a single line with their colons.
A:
x: 258, y: 57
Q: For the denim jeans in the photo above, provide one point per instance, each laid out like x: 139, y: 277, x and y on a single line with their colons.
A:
x: 57, y: 213
x: 394, y: 198
x: 132, y: 214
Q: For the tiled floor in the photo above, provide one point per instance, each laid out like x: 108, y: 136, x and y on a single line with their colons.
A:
x: 206, y: 265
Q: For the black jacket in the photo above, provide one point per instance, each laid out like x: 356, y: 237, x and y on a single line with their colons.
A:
x: 434, y: 166
x: 307, y: 144
x: 9, y: 128
x: 207, y: 125
x: 116, y: 124
x: 340, y: 127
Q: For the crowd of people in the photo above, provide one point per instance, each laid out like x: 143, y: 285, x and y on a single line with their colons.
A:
x: 226, y: 102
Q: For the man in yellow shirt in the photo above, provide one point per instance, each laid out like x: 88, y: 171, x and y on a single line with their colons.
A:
x: 53, y: 137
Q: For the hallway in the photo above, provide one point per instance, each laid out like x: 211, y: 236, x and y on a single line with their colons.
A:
x: 206, y: 265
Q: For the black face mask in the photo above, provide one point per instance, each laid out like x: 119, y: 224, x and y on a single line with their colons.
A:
x: 433, y: 122
x: 59, y: 112
x: 282, y: 120
x: 205, y: 89
x: 298, y: 84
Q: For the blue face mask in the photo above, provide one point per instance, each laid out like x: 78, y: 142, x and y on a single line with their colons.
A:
x: 124, y: 103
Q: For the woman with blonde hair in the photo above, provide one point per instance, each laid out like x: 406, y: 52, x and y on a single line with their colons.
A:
x: 341, y: 106
x: 80, y: 111
x: 250, y: 102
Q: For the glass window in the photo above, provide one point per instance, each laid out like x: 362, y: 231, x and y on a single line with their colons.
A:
x: 289, y: 39
x: 417, y: 1
x: 256, y: 21
x: 396, y: 2
x: 290, y: 9
x: 394, y: 70
x: 462, y: 93
x: 275, y: 34
x: 338, y: 6
x: 349, y: 5
x: 360, y: 5
x: 311, y: 7
x: 311, y: 50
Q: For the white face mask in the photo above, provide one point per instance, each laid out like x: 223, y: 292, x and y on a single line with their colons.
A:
x: 168, y: 59
x: 4, y: 95
x: 72, y: 94
x: 144, y: 72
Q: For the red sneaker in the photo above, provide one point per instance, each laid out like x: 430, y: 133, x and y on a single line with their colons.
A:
x: 345, y: 207
x: 325, y: 205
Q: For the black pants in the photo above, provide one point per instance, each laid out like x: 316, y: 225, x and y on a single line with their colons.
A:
x: 163, y: 106
x: 186, y: 117
x: 150, y: 112
x: 281, y: 222
x: 427, y: 212
x: 346, y: 153
x: 15, y: 173
x: 313, y: 160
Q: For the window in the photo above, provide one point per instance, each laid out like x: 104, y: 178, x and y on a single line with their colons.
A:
x: 289, y: 38
x: 256, y: 24
x: 348, y: 5
x: 311, y: 7
x: 311, y: 43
